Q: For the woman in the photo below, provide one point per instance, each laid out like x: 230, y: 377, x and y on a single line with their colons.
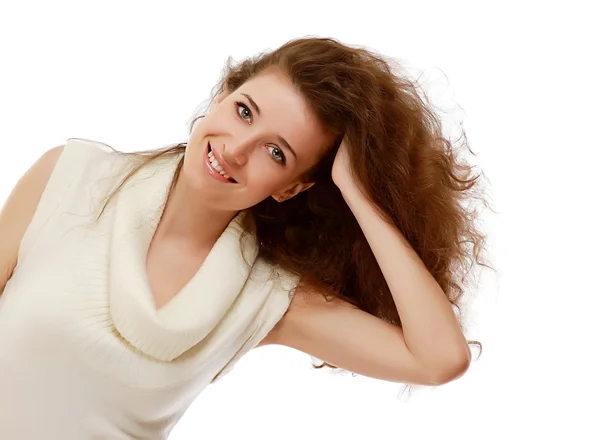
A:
x: 316, y: 205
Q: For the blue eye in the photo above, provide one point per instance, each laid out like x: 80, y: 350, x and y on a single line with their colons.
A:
x: 279, y: 156
x: 243, y: 111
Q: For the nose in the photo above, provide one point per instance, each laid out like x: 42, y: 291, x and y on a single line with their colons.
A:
x: 234, y: 157
x: 237, y: 151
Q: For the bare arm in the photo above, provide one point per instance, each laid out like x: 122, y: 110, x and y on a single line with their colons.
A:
x: 347, y: 337
x: 430, y: 348
x: 432, y: 333
x: 19, y: 208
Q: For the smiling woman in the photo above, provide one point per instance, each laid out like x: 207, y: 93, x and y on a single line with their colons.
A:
x: 315, y: 205
x: 264, y: 136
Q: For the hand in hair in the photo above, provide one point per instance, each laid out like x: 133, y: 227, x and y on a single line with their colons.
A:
x: 341, y: 172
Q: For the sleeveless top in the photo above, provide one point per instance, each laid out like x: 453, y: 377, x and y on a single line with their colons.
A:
x: 84, y: 353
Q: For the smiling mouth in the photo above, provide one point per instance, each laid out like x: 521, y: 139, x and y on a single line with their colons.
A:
x: 214, y: 163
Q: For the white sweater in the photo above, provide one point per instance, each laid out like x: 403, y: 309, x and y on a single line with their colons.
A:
x: 84, y: 354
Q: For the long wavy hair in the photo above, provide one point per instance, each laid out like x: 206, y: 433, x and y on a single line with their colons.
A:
x: 412, y: 173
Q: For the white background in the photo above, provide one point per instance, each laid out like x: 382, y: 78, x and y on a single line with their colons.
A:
x: 525, y: 74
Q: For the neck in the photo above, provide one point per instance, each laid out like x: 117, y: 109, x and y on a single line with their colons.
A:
x: 192, y: 225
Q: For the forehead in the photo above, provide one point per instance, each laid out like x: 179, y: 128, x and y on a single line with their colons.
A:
x: 284, y: 112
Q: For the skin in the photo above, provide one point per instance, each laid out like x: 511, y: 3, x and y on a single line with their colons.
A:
x: 200, y: 207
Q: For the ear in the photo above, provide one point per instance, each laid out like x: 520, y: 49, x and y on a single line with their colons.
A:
x: 292, y: 190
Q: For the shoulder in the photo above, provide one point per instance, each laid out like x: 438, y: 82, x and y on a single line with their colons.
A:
x: 42, y: 169
x: 19, y: 208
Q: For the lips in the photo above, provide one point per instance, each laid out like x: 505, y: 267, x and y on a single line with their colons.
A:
x: 217, y: 166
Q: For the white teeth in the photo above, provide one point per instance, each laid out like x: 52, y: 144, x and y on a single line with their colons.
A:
x: 215, y: 164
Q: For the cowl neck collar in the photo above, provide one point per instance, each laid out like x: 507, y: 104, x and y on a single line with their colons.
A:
x: 168, y: 332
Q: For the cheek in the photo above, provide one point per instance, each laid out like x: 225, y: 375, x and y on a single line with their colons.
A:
x: 222, y: 117
x: 198, y: 132
x: 264, y: 182
x: 265, y: 178
x: 208, y: 122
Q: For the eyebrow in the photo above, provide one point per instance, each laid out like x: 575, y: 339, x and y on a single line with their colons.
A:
x: 280, y: 138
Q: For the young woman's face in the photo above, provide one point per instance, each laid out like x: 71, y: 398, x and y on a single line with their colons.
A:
x: 262, y: 136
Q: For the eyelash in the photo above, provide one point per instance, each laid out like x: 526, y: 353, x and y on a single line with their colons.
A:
x: 241, y: 104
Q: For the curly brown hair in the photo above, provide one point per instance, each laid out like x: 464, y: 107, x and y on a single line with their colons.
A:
x: 398, y: 152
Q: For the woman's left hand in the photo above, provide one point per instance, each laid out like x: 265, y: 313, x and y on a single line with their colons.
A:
x: 341, y: 172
